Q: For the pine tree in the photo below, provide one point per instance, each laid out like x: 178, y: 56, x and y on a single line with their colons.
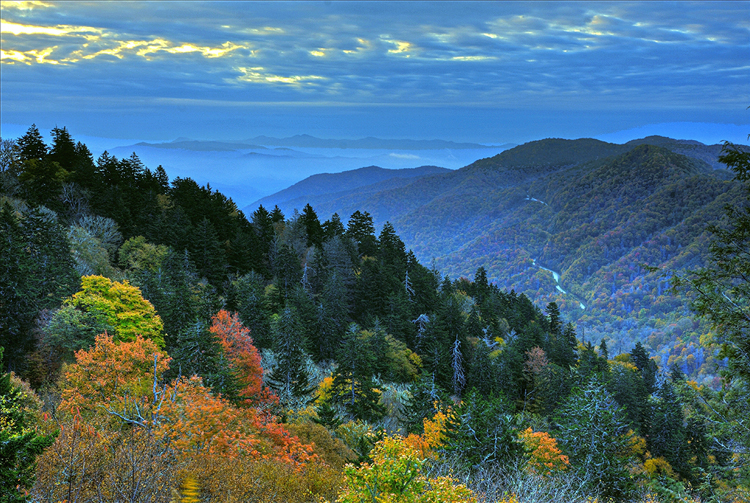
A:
x: 646, y: 365
x: 602, y: 460
x: 313, y: 229
x: 63, y: 149
x: 31, y: 145
x: 361, y: 229
x: 353, y: 386
x: 289, y: 377
x: 197, y: 351
x: 480, y: 432
x: 666, y: 433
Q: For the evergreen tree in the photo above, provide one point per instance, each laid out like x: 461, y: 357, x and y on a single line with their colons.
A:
x: 602, y: 459
x: 246, y: 296
x: 426, y: 400
x: 289, y: 377
x: 480, y: 432
x: 332, y: 318
x: 666, y: 433
x: 206, y: 253
x: 31, y: 145
x: 313, y: 229
x: 646, y: 365
x: 333, y: 227
x: 36, y: 272
x: 353, y: 386
x: 361, y: 229
x: 196, y: 351
x: 63, y: 149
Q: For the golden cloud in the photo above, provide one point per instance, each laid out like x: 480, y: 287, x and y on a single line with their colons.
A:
x: 61, y: 30
x: 25, y: 5
x: 259, y: 75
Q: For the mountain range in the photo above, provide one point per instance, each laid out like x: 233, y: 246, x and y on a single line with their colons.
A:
x: 578, y: 222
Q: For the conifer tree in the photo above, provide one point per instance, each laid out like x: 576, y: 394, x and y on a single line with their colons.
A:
x: 31, y: 145
x: 353, y: 386
x: 666, y: 432
x: 289, y: 377
x: 602, y: 460
x: 480, y: 432
x: 246, y: 295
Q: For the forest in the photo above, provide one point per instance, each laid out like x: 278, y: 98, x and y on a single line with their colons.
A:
x: 159, y: 345
x: 582, y: 223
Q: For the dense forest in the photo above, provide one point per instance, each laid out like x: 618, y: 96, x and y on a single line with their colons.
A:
x: 160, y: 345
x: 583, y: 223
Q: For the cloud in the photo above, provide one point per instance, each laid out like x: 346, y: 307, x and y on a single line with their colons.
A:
x: 259, y: 75
x: 559, y: 56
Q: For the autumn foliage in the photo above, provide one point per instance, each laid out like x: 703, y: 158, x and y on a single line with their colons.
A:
x: 113, y: 377
x: 195, y: 421
x: 428, y: 443
x: 244, y: 358
x: 543, y: 455
x: 395, y: 476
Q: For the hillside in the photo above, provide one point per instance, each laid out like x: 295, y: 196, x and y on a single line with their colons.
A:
x: 574, y: 221
x: 330, y: 185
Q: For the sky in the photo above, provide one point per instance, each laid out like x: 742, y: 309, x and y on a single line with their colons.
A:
x: 484, y: 72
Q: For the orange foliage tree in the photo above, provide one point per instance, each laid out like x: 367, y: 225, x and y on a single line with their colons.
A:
x: 543, y: 455
x: 243, y: 356
x: 119, y: 379
x: 427, y: 444
x: 195, y: 421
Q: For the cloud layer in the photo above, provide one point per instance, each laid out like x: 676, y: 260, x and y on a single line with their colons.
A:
x: 373, y: 62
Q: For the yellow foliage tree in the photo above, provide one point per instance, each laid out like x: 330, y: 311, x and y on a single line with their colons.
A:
x: 395, y: 476
x: 122, y: 306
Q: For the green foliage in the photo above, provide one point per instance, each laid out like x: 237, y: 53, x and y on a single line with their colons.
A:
x: 20, y: 443
x: 106, y: 303
x: 36, y: 272
x: 480, y: 431
x: 289, y: 377
x: 353, y: 385
x: 593, y: 432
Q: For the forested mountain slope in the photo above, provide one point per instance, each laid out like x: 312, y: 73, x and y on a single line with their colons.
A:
x: 327, y: 186
x: 574, y: 221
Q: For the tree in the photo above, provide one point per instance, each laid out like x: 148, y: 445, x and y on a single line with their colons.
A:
x: 31, y: 145
x: 720, y: 291
x: 198, y: 352
x: 480, y: 431
x: 602, y: 459
x: 246, y: 295
x: 666, y: 434
x: 116, y: 305
x: 63, y: 149
x: 243, y: 357
x: 362, y: 231
x: 289, y: 378
x: 36, y: 272
x: 353, y: 386
x: 114, y: 379
x: 20, y: 442
x: 313, y: 229
x: 396, y: 475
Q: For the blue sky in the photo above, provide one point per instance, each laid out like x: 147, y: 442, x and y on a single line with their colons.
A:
x: 487, y: 72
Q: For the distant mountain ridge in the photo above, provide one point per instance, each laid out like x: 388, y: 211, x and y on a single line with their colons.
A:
x: 330, y: 184
x: 363, y: 143
x: 574, y: 221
